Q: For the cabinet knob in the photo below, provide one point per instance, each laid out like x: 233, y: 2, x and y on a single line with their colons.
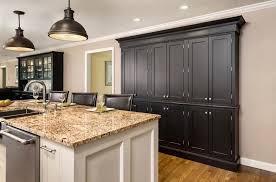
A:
x: 164, y: 96
x: 210, y: 98
x: 206, y: 112
x: 205, y: 98
x: 167, y: 108
x: 167, y: 96
x: 210, y: 113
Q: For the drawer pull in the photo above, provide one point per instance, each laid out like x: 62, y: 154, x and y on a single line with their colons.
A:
x: 44, y: 147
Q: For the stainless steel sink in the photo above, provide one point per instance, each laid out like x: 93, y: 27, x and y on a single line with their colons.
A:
x: 18, y: 113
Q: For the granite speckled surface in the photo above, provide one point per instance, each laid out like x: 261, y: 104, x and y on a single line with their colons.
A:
x: 74, y: 126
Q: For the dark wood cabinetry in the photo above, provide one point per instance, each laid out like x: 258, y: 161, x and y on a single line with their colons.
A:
x: 141, y: 71
x: 198, y: 70
x: 189, y: 76
x: 220, y: 69
x: 175, y: 125
x: 198, y: 127
x: 175, y: 73
x: 221, y: 129
x: 159, y: 71
x: 128, y: 71
x: 47, y: 67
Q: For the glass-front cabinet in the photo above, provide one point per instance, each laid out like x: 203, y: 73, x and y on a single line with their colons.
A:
x: 23, y: 71
x: 38, y: 68
x: 47, y: 67
x: 30, y: 69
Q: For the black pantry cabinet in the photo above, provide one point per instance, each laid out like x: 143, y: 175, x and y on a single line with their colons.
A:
x: 190, y: 76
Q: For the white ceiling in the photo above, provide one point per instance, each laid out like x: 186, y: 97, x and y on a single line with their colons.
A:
x: 99, y: 17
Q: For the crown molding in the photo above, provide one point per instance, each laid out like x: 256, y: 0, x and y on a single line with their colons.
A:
x: 174, y: 24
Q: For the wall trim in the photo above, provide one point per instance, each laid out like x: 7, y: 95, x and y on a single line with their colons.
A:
x: 258, y: 164
x: 87, y: 72
x: 173, y: 24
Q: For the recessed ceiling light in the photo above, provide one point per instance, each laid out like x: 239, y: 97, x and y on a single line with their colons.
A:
x: 136, y: 19
x: 184, y: 7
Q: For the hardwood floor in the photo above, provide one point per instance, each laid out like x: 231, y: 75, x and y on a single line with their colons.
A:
x: 174, y: 169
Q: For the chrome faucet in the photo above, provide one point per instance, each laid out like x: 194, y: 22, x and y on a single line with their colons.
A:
x: 44, y: 90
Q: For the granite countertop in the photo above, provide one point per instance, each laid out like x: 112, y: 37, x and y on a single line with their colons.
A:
x: 73, y: 126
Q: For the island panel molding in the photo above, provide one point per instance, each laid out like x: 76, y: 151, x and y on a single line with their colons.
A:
x: 130, y: 156
x: 190, y: 76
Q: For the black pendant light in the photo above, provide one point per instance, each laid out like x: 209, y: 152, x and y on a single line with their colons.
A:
x: 68, y: 28
x: 19, y: 42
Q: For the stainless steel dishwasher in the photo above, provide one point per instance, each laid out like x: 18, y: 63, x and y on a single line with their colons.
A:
x: 19, y: 155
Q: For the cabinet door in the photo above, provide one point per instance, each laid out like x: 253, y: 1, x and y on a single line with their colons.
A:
x: 175, y: 66
x: 198, y: 70
x: 198, y: 140
x: 159, y: 71
x: 141, y: 62
x: 49, y: 163
x: 175, y: 125
x: 220, y: 133
x: 160, y: 109
x: 128, y: 71
x: 38, y: 68
x: 220, y: 69
x: 47, y: 66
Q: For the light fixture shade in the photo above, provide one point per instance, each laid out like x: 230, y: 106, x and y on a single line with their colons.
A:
x: 19, y: 42
x: 68, y: 29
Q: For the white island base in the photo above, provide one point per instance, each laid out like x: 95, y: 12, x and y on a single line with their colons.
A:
x: 129, y: 156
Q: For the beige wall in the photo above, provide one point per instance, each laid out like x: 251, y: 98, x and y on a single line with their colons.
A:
x: 74, y: 65
x: 98, y: 72
x: 10, y: 71
x: 258, y: 86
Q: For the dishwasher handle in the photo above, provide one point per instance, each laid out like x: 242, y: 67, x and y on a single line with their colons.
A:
x: 20, y: 140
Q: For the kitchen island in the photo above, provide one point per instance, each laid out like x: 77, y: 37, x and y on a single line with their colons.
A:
x: 81, y: 146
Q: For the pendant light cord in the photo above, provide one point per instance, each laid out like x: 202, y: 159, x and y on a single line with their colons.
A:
x: 69, y: 4
x: 19, y: 21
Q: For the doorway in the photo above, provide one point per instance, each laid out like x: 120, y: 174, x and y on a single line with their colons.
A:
x: 99, y: 75
x: 3, y: 78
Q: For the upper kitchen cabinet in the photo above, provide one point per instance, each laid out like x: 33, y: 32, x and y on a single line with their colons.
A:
x: 210, y: 70
x: 169, y: 71
x: 220, y: 69
x: 198, y: 70
x: 128, y: 71
x: 177, y: 53
x: 198, y: 64
x: 159, y: 71
x: 47, y: 67
x: 142, y: 58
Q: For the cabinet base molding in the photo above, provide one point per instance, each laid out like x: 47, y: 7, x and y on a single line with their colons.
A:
x: 228, y: 165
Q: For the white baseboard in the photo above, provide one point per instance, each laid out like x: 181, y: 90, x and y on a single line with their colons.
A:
x: 259, y: 164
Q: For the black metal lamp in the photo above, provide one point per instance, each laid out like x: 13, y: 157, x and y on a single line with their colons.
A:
x: 19, y: 42
x: 68, y: 28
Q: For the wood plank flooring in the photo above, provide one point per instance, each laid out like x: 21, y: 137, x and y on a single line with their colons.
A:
x: 174, y: 169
